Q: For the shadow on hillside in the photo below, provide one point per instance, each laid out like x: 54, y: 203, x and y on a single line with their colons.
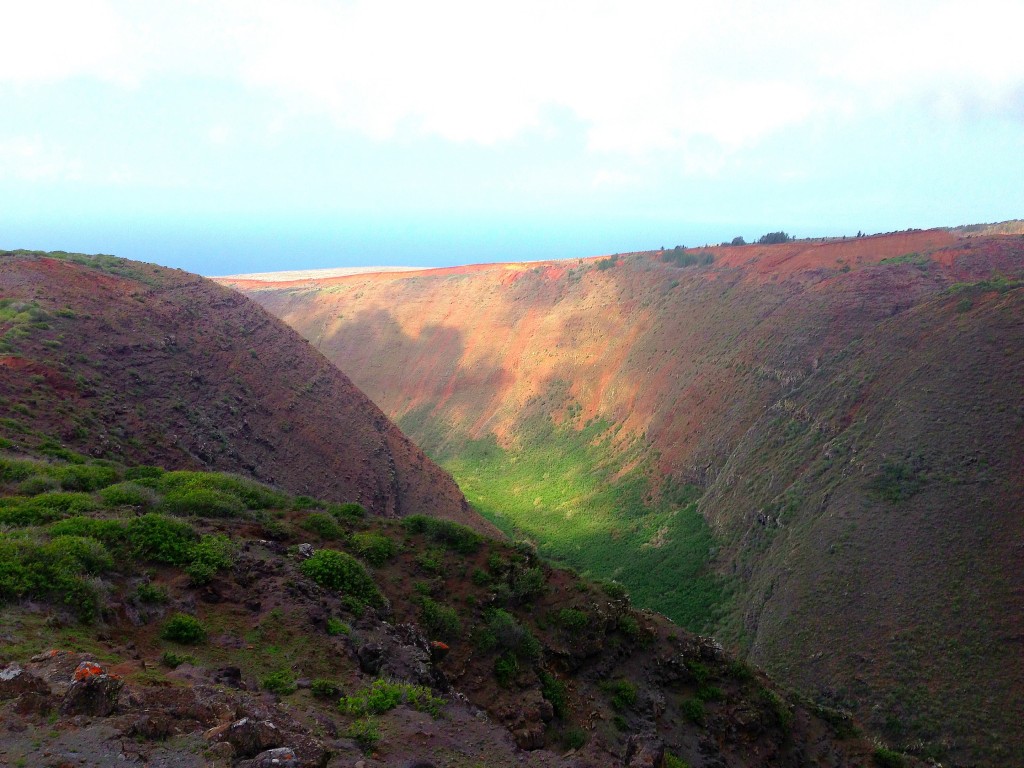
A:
x: 402, y: 372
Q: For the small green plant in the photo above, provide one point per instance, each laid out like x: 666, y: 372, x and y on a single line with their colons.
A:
x: 571, y: 620
x: 670, y: 760
x: 365, y: 733
x: 480, y: 577
x: 554, y: 691
x: 281, y: 682
x: 161, y: 539
x: 341, y: 572
x: 323, y: 688
x: 384, y: 695
x: 337, y: 627
x: 693, y: 710
x: 440, y: 621
x: 374, y: 548
x: 615, y: 590
x: 151, y: 595
x: 184, y: 629
x: 456, y: 537
x: 431, y: 560
x: 323, y: 525
x: 506, y: 667
x: 351, y: 510
x: 209, y: 555
x: 175, y: 660
x: 624, y: 693
x: 204, y: 502
x: 128, y: 494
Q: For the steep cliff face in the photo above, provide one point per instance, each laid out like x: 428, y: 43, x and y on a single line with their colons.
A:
x: 848, y: 413
x: 151, y: 365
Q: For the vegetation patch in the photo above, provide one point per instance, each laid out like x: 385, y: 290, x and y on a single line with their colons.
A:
x: 340, y: 572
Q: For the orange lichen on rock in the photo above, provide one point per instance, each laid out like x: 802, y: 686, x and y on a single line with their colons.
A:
x: 88, y: 669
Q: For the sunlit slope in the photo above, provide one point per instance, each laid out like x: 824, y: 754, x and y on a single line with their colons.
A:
x: 582, y: 401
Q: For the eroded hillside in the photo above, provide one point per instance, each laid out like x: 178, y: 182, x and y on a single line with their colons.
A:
x: 144, y: 364
x: 844, y: 417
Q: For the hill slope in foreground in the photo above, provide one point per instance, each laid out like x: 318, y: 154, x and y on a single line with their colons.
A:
x: 147, y: 365
x: 813, y: 448
x: 185, y: 618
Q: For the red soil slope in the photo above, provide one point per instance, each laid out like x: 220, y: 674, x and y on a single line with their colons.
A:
x: 153, y: 365
x: 852, y: 409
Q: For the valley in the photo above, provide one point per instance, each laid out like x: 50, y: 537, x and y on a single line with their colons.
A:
x: 812, y: 449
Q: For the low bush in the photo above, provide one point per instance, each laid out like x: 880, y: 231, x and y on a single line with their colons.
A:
x: 341, y: 572
x: 281, y: 682
x: 623, y: 692
x: 323, y: 688
x: 456, y: 537
x: 128, y: 494
x: 323, y: 525
x: 337, y: 627
x: 571, y: 620
x: 888, y: 758
x: 44, y: 508
x: 149, y: 594
x: 204, y: 502
x: 502, y: 631
x: 384, y: 695
x: 184, y: 629
x: 161, y: 539
x: 86, y: 477
x: 693, y: 710
x: 364, y: 733
x: 554, y: 691
x: 175, y: 660
x: 350, y: 510
x: 37, y: 484
x: 209, y: 555
x: 248, y: 493
x: 374, y: 548
x: 439, y: 620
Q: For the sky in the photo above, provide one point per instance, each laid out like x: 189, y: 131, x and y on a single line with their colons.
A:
x: 227, y: 136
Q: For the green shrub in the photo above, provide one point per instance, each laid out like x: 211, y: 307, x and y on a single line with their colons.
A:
x: 670, y: 760
x: 37, y: 484
x: 374, y: 548
x: 323, y: 688
x: 337, y: 627
x: 175, y: 660
x: 111, y: 532
x: 248, y: 493
x: 554, y: 691
x: 693, y: 710
x: 456, y: 537
x: 710, y: 693
x: 281, y: 682
x: 44, y: 508
x: 86, y: 477
x: 506, y: 667
x: 128, y: 494
x: 431, y: 560
x: 480, y: 577
x: 439, y: 620
x: 161, y: 539
x: 525, y: 584
x: 364, y: 733
x: 209, y: 555
x: 350, y: 510
x: 151, y: 595
x: 624, y: 693
x: 77, y: 554
x: 143, y: 472
x: 340, y: 572
x: 184, y: 629
x: 323, y: 525
x: 888, y: 758
x: 384, y: 695
x: 204, y: 502
x: 571, y: 619
x: 503, y: 631
x: 15, y: 470
x: 615, y: 590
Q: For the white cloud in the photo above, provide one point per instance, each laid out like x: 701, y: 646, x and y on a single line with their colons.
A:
x: 650, y: 76
x: 24, y: 158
